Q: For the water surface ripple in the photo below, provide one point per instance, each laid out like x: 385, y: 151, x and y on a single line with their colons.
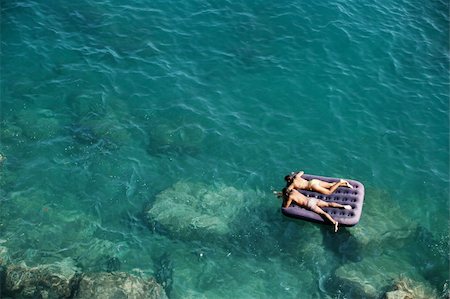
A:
x: 110, y: 108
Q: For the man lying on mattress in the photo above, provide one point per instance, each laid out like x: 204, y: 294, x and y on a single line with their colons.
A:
x: 290, y: 194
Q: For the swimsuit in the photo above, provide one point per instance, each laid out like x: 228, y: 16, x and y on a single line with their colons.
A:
x: 312, y: 183
x: 312, y: 203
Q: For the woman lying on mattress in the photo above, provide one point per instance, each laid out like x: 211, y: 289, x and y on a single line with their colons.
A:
x: 290, y: 195
x: 295, y: 181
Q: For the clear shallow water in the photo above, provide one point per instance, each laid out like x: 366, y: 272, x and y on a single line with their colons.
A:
x: 104, y: 105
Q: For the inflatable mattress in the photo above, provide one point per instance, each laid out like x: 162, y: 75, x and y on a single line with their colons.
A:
x: 343, y: 195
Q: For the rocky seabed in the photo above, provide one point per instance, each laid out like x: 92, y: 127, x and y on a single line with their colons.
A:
x: 64, y: 280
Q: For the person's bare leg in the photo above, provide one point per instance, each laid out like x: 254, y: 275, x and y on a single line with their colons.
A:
x: 327, y: 185
x: 320, y: 189
x: 319, y: 211
x: 338, y: 205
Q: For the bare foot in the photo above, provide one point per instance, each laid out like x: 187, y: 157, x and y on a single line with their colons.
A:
x: 336, y: 226
x: 345, y: 183
x: 348, y: 207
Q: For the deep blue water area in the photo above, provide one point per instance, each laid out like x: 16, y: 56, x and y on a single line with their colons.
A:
x: 196, y: 110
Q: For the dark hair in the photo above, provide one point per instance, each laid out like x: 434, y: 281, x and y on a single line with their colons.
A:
x: 285, y: 192
x: 290, y: 177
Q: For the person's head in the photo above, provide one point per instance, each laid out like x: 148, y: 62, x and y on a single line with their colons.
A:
x: 290, y: 177
x: 285, y: 192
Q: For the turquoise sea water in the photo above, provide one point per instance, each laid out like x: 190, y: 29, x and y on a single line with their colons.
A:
x: 109, y: 107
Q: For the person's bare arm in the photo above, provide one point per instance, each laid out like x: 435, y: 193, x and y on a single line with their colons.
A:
x: 288, y: 203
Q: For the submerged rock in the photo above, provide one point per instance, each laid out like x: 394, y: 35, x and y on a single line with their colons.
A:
x: 97, y: 255
x: 83, y: 135
x: 4, y: 258
x: 415, y: 248
x: 8, y: 178
x: 51, y: 226
x: 378, y: 222
x: 385, y: 245
x: 100, y: 121
x: 104, y: 133
x: 113, y: 264
x: 9, y: 131
x: 38, y: 124
x: 64, y: 280
x: 118, y: 285
x: 405, y: 288
x: 82, y: 105
x: 58, y: 280
x: 195, y: 211
x: 164, y: 272
x: 109, y: 130
x: 372, y: 275
x: 414, y: 252
x: 169, y: 139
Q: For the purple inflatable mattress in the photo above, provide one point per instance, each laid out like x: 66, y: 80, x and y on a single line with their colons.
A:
x: 343, y: 195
